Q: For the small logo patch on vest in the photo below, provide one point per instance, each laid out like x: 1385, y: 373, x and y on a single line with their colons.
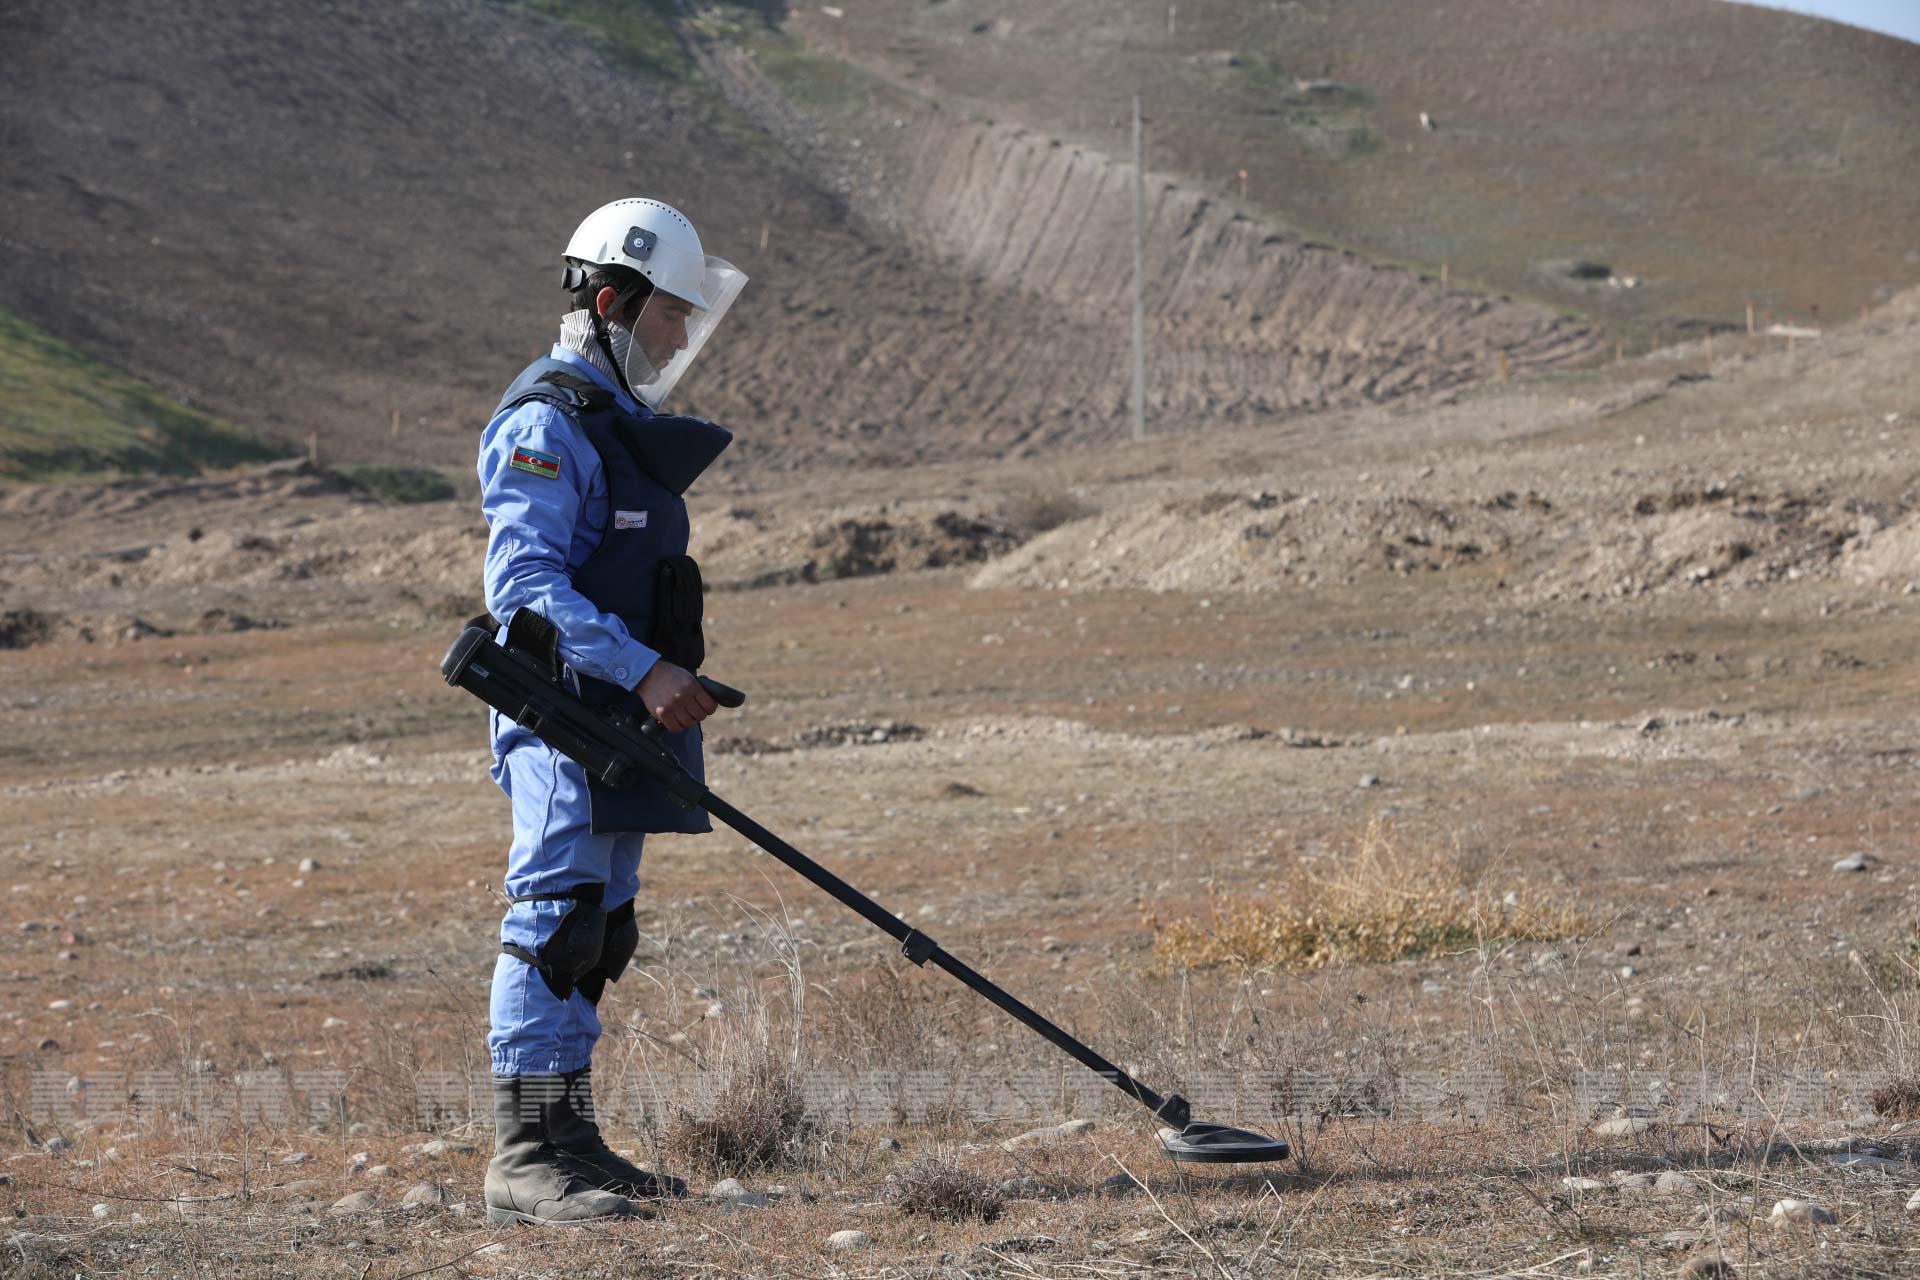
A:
x: 534, y: 462
x: 629, y: 519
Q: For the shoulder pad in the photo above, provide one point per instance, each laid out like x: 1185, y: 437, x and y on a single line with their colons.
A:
x: 574, y: 395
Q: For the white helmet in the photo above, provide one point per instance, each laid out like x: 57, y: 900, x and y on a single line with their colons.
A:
x: 655, y: 241
x: 646, y: 236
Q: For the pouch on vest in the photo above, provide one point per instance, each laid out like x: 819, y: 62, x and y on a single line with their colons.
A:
x: 678, y: 607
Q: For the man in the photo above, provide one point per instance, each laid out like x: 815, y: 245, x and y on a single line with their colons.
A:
x: 581, y: 482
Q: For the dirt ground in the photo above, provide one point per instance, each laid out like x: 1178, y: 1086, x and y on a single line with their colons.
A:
x: 1637, y: 642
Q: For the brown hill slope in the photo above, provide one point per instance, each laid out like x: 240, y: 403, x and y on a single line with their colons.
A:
x: 1719, y: 154
x: 343, y: 219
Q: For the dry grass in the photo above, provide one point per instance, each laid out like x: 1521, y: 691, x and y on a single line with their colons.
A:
x: 1382, y: 903
x: 759, y: 1122
x: 935, y: 1188
x: 759, y: 1119
x: 1898, y: 1099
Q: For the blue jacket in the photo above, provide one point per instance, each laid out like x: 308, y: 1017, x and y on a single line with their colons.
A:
x: 581, y: 505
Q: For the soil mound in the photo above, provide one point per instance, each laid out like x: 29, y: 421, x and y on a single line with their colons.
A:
x: 1877, y: 556
x: 745, y: 547
x: 26, y: 628
x: 1696, y: 537
x: 1222, y: 540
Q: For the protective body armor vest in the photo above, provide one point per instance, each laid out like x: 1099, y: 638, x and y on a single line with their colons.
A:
x: 648, y: 462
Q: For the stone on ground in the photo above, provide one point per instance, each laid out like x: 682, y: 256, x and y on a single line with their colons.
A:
x: 1622, y: 1127
x: 1795, y: 1213
x: 425, y: 1194
x: 1867, y: 1163
x: 1708, y: 1264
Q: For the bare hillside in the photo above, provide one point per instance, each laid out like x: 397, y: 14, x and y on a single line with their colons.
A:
x: 343, y: 220
x: 1716, y: 154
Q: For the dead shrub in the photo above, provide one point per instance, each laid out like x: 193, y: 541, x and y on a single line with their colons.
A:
x: 933, y: 1188
x: 25, y: 628
x: 759, y: 1121
x: 1898, y: 1099
x: 1036, y: 512
x: 1381, y: 904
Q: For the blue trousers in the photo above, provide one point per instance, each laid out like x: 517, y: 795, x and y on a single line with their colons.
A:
x: 532, y: 1031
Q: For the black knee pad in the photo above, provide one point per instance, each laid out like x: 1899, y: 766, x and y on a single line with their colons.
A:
x: 621, y: 940
x: 574, y: 950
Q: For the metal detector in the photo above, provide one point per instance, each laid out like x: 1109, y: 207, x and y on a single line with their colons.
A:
x: 622, y: 744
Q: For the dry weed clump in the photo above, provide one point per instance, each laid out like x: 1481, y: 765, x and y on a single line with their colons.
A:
x: 759, y: 1121
x: 1383, y: 903
x: 1897, y: 1099
x: 933, y: 1188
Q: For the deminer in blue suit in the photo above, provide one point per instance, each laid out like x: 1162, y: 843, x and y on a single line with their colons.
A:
x: 581, y: 484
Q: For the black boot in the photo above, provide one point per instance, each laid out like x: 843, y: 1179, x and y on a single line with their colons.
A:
x: 575, y: 1133
x: 530, y: 1180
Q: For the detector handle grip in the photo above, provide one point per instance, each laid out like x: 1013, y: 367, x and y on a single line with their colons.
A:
x: 724, y: 694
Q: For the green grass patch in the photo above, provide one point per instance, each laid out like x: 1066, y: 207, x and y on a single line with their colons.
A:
x: 1289, y: 94
x: 64, y: 414
x: 649, y: 38
x: 638, y: 34
x: 1331, y: 116
x: 813, y: 79
x: 644, y: 35
x: 401, y: 484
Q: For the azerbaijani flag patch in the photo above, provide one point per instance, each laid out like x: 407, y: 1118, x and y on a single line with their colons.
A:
x: 534, y: 462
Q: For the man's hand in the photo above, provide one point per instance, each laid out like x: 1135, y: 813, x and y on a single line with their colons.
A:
x: 674, y: 697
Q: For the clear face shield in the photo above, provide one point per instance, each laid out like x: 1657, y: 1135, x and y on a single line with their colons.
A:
x: 687, y: 304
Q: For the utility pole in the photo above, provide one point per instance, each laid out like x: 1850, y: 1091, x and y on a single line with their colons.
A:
x: 1139, y: 277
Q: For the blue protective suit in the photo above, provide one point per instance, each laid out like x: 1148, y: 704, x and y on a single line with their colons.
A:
x: 549, y: 506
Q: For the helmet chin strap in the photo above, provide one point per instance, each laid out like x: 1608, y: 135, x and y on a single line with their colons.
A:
x: 600, y: 324
x: 613, y: 362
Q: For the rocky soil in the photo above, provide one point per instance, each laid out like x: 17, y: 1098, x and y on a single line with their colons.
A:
x: 1634, y: 640
x: 1041, y: 711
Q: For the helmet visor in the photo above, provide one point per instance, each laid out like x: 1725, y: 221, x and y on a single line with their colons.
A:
x: 671, y: 329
